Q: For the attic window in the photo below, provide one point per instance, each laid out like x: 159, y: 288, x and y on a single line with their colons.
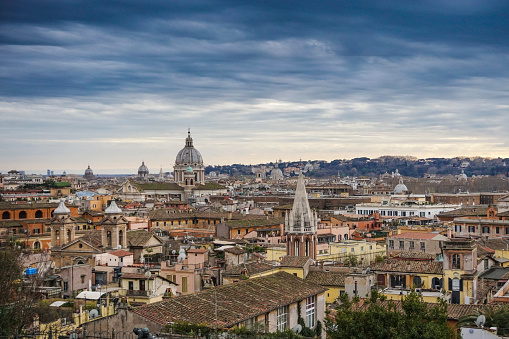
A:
x: 80, y: 245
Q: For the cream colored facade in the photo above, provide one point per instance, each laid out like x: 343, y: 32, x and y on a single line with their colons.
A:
x: 365, y: 252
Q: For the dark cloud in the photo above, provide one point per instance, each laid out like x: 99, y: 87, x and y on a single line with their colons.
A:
x: 79, y: 70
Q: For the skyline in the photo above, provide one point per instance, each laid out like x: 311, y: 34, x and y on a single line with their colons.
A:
x: 112, y: 84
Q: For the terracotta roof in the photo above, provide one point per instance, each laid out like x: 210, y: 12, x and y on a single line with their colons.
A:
x: 495, y: 243
x: 416, y: 235
x: 263, y: 221
x: 416, y: 255
x: 248, y: 268
x: 294, y: 261
x: 93, y: 237
x: 236, y: 302
x: 408, y: 266
x: 197, y: 250
x: 10, y: 223
x: 121, y: 253
x: 174, y: 214
x: 327, y: 278
x: 466, y: 211
x: 235, y: 250
x: 139, y: 237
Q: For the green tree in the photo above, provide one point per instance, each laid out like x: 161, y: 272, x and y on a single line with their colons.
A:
x: 379, y: 318
x: 351, y: 260
x: 496, y: 316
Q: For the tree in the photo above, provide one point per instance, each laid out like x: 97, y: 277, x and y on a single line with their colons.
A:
x: 351, y: 260
x: 18, y: 294
x: 379, y: 318
x: 496, y: 316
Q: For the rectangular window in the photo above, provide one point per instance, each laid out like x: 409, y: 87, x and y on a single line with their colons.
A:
x: 486, y: 229
x: 497, y: 230
x: 282, y: 318
x: 423, y: 246
x: 401, y: 245
x: 66, y: 285
x: 411, y: 245
x: 184, y: 284
x: 457, y: 228
x: 422, y: 214
x: 471, y: 229
x: 131, y: 285
x: 310, y: 311
x: 391, y: 244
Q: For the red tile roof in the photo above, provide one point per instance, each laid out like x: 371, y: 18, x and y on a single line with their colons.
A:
x: 235, y: 302
x: 294, y: 261
x: 408, y: 266
x: 121, y: 253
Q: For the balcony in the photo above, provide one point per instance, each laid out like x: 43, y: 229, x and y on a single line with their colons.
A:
x: 138, y: 293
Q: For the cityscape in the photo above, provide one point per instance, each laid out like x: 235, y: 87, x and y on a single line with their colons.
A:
x: 254, y: 170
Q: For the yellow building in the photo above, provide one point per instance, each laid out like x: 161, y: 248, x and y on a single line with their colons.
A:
x: 460, y: 270
x: 365, y: 252
x: 397, y: 275
x: 334, y: 282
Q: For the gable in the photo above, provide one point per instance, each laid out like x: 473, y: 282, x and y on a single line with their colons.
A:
x: 74, y: 246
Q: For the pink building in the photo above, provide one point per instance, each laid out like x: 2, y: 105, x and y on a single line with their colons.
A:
x: 190, y: 273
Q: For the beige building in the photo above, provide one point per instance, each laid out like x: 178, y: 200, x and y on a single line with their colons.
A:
x: 415, y: 242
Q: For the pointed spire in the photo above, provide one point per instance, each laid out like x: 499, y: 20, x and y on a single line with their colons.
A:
x: 113, y: 208
x: 61, y: 209
x: 301, y: 219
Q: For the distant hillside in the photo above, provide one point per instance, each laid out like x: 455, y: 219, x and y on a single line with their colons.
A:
x: 406, y: 165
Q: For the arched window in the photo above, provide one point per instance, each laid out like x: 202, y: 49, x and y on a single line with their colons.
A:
x: 297, y: 247
x: 417, y: 282
x: 57, y: 237
x: 121, y: 238
x: 69, y: 235
x: 456, y: 262
x: 23, y: 215
x: 37, y: 245
x: 108, y: 238
x: 6, y: 215
x: 38, y: 214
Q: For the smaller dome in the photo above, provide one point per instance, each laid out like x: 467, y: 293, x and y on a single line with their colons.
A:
x: 400, y: 188
x: 143, y: 170
x: 61, y: 209
x: 113, y: 208
x: 189, y: 169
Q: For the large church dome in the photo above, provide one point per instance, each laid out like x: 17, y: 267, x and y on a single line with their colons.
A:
x: 188, y: 155
x: 189, y: 158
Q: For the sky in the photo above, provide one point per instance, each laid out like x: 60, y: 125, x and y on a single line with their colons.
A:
x: 113, y: 83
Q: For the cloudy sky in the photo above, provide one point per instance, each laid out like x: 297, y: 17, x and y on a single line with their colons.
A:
x: 112, y: 83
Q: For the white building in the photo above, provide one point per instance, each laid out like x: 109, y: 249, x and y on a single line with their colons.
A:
x: 396, y: 210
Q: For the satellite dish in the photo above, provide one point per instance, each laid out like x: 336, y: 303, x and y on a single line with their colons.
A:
x: 93, y: 314
x: 173, y: 252
x: 297, y: 328
x: 481, y: 320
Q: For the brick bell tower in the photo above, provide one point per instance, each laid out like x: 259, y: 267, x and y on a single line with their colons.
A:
x: 301, y: 225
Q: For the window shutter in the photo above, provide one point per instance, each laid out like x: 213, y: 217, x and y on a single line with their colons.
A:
x: 450, y: 284
x: 461, y: 284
